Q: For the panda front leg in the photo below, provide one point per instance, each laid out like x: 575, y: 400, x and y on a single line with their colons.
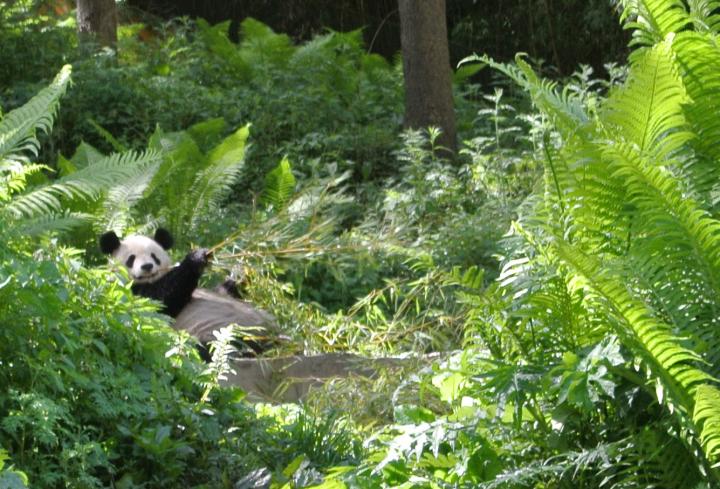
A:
x: 175, y: 288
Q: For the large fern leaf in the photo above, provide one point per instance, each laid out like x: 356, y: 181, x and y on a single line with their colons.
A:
x: 19, y: 127
x: 260, y: 44
x: 685, y: 386
x: 120, y: 199
x: 648, y: 111
x: 224, y: 164
x: 85, y: 184
x: 705, y: 15
x: 628, y: 196
x: 61, y: 222
x: 652, y: 20
x: 674, y: 364
x: 707, y: 415
x: 217, y: 41
x: 279, y: 185
x: 679, y: 220
x: 698, y: 57
x: 166, y: 197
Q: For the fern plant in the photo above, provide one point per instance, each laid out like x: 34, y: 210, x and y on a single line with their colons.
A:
x: 279, y: 185
x: 628, y: 220
x: 27, y: 207
x: 186, y: 185
x: 180, y: 180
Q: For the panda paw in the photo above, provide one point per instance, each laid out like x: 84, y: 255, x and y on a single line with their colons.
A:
x: 200, y: 257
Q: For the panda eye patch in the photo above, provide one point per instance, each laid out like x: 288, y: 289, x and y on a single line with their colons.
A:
x: 129, y: 262
x: 155, y: 258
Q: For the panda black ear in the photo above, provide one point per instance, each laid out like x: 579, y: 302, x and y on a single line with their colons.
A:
x: 164, y: 238
x: 109, y: 242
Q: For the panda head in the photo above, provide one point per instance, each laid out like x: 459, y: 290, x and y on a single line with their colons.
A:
x: 145, y: 259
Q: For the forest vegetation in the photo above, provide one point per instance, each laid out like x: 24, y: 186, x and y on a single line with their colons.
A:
x: 547, y: 280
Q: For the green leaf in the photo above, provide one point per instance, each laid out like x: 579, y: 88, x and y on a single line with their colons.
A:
x: 18, y: 127
x: 707, y: 415
x: 217, y: 41
x: 411, y: 414
x: 224, y: 164
x: 279, y: 186
x: 450, y: 385
x: 296, y: 464
x: 648, y: 111
x: 466, y: 71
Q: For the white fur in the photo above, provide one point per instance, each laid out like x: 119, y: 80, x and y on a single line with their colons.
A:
x: 143, y: 248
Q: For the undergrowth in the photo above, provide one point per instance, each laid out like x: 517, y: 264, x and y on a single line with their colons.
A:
x: 587, y: 359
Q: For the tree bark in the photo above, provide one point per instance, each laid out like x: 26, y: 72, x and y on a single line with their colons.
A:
x: 97, y: 22
x: 426, y: 65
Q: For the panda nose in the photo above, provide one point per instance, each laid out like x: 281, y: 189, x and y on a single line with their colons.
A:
x: 147, y: 267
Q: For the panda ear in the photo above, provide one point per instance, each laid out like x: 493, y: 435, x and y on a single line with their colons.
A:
x: 109, y: 242
x: 164, y: 238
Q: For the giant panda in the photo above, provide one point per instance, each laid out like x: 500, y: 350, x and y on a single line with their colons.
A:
x: 198, y: 311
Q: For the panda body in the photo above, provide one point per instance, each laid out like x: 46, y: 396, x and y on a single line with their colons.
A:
x: 209, y: 311
x: 198, y: 311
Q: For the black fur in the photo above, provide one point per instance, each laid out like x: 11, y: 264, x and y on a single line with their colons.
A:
x: 175, y: 288
x: 164, y: 238
x: 109, y: 242
x: 229, y: 288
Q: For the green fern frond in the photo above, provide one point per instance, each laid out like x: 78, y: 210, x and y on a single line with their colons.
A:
x: 224, y: 164
x: 62, y: 222
x: 19, y: 127
x: 109, y: 138
x: 217, y: 41
x: 649, y: 458
x: 279, y: 185
x: 698, y: 57
x: 707, y: 415
x: 683, y: 383
x: 260, y: 44
x: 629, y: 191
x: 208, y: 133
x: 182, y: 162
x: 85, y: 184
x: 220, y: 367
x: 653, y: 20
x: 704, y: 15
x: 564, y: 108
x: 120, y: 199
x: 648, y: 111
x: 678, y: 218
x: 672, y: 363
x: 14, y: 175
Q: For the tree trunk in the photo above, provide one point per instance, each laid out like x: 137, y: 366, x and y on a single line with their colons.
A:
x: 426, y: 64
x: 97, y: 22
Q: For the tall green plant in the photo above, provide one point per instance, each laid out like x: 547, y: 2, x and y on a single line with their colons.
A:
x: 628, y: 218
x: 31, y: 203
x: 182, y: 185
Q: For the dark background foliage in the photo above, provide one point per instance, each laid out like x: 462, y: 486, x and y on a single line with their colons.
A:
x: 545, y: 29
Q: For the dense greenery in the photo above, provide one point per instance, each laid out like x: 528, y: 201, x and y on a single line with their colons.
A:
x: 545, y: 29
x: 326, y: 100
x: 587, y: 357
